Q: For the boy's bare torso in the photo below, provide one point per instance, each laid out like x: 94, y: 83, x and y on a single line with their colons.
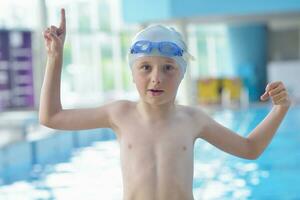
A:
x: 156, y: 157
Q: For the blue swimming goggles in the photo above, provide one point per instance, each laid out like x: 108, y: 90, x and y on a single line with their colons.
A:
x: 165, y: 48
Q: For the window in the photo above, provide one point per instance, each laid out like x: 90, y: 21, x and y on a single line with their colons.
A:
x: 95, y: 64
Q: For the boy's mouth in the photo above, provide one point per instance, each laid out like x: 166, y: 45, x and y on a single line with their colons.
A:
x: 155, y: 92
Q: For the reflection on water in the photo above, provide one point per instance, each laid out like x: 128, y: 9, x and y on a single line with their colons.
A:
x: 220, y: 176
x: 91, y: 173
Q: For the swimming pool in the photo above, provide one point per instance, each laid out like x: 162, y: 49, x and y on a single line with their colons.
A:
x: 94, y: 172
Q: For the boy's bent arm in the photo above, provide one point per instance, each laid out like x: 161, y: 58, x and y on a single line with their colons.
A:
x: 51, y: 113
x: 86, y: 118
x: 250, y: 147
x: 54, y: 38
x: 261, y: 136
x: 255, y: 143
x: 50, y: 103
x: 224, y: 138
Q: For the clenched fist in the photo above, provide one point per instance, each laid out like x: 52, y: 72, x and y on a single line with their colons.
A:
x: 278, y: 94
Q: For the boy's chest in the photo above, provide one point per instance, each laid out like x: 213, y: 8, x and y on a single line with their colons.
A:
x: 156, y: 150
x: 138, y: 138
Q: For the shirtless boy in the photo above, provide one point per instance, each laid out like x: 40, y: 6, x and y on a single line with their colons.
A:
x: 156, y: 136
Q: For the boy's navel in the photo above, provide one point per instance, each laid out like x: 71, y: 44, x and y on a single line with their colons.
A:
x: 184, y: 148
x: 129, y: 146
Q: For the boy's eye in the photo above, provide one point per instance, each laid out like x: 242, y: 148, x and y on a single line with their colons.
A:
x: 168, y: 67
x: 145, y: 67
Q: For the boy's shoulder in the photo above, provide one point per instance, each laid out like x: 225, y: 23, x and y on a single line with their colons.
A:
x: 121, y: 108
x: 196, y: 114
x: 193, y: 111
x: 121, y: 105
x: 196, y: 118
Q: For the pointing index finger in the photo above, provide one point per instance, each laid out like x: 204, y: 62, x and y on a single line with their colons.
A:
x: 62, y: 19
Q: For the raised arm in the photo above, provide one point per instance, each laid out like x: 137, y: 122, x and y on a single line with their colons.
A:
x: 252, y: 146
x: 50, y: 103
x: 51, y: 113
x: 261, y: 136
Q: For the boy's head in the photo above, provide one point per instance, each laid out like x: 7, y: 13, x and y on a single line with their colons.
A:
x: 158, y: 58
x: 158, y: 40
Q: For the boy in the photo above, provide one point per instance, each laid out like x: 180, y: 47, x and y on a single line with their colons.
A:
x: 156, y: 136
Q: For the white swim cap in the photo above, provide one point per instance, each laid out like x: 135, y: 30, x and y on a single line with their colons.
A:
x: 159, y: 33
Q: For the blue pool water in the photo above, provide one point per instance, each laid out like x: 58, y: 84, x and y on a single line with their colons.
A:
x: 274, y: 175
x: 94, y: 172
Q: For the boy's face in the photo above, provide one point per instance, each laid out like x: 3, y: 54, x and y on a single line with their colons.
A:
x: 157, y: 79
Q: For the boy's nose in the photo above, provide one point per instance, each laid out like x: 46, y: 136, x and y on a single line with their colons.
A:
x: 156, y: 77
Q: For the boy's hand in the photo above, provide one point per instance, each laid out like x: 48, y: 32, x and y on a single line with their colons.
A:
x: 55, y: 37
x: 278, y: 93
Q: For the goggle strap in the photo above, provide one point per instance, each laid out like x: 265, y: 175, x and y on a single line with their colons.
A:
x: 189, y: 56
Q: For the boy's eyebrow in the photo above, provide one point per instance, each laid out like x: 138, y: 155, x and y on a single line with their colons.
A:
x: 171, y: 61
x: 143, y: 63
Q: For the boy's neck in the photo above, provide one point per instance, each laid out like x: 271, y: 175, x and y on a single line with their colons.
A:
x: 155, y: 113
